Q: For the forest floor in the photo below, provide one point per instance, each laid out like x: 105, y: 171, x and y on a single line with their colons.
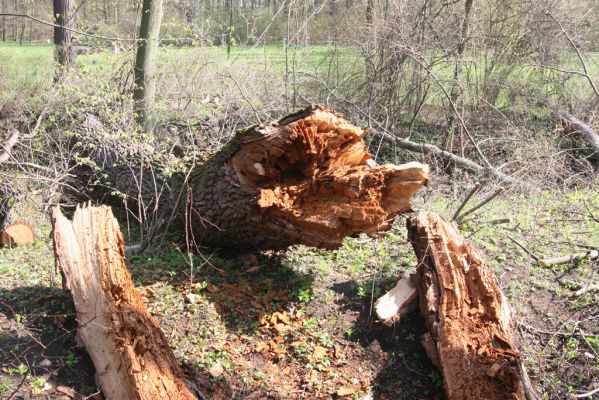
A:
x: 299, y: 324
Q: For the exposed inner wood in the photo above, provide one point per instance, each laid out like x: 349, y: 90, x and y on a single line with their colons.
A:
x: 304, y: 180
x: 130, y: 353
x: 17, y: 235
x: 467, y: 316
x: 301, y: 180
x: 396, y: 302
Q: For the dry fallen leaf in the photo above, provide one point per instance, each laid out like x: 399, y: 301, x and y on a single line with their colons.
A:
x: 211, y: 288
x: 262, y: 347
x: 319, y: 354
x: 216, y: 370
x: 342, y: 392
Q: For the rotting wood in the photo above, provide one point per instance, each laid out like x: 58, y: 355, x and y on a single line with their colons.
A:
x: 302, y: 180
x: 397, y: 302
x: 468, y: 318
x: 130, y: 353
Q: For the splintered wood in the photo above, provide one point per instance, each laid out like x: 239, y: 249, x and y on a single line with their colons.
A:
x: 468, y: 318
x: 130, y: 353
x: 312, y: 182
x: 397, y: 302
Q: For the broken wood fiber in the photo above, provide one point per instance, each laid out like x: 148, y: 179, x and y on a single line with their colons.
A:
x: 130, y: 353
x: 302, y: 180
x: 468, y: 319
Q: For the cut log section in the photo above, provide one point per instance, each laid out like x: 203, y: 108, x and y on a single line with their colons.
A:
x: 468, y: 318
x: 130, y: 353
x: 397, y: 302
x: 303, y: 180
x: 17, y: 235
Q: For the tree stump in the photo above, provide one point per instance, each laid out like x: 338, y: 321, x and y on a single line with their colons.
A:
x: 130, y: 353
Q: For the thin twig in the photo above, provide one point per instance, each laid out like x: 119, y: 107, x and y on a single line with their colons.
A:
x: 475, y: 189
x: 481, y: 204
x: 523, y: 248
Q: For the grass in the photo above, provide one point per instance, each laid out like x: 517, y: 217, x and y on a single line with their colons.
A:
x: 325, y: 337
x: 198, y: 74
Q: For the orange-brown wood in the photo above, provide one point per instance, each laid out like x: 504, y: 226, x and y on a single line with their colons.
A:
x: 468, y: 318
x: 130, y: 353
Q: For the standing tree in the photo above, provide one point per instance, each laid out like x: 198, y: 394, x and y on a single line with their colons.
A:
x: 64, y: 54
x: 145, y: 63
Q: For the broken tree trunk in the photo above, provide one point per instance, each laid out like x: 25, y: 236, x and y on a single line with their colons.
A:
x: 130, y: 353
x: 302, y: 180
x: 468, y: 319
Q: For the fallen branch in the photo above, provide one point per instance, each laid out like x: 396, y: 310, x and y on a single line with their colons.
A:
x: 591, y: 255
x: 130, y: 353
x: 460, y: 162
x: 479, y: 205
x: 397, y: 302
x: 526, y: 250
x: 7, y: 146
x: 586, y: 289
x: 466, y: 200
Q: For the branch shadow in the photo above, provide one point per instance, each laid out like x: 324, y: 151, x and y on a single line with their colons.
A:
x: 37, y: 341
x: 404, y: 370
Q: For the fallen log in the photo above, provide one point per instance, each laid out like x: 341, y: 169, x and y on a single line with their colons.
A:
x: 301, y: 180
x: 583, y: 130
x: 20, y: 214
x: 468, y: 319
x: 17, y: 235
x: 130, y: 353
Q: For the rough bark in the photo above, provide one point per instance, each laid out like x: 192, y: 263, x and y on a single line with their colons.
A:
x: 130, y: 353
x: 583, y: 130
x: 64, y: 53
x: 145, y: 63
x: 468, y: 319
x: 303, y: 180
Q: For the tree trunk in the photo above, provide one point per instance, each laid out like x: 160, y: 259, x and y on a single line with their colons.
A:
x: 3, y: 29
x: 145, y: 63
x: 469, y: 322
x: 130, y: 353
x: 579, y: 127
x: 64, y: 53
x: 455, y: 85
x: 303, y: 180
